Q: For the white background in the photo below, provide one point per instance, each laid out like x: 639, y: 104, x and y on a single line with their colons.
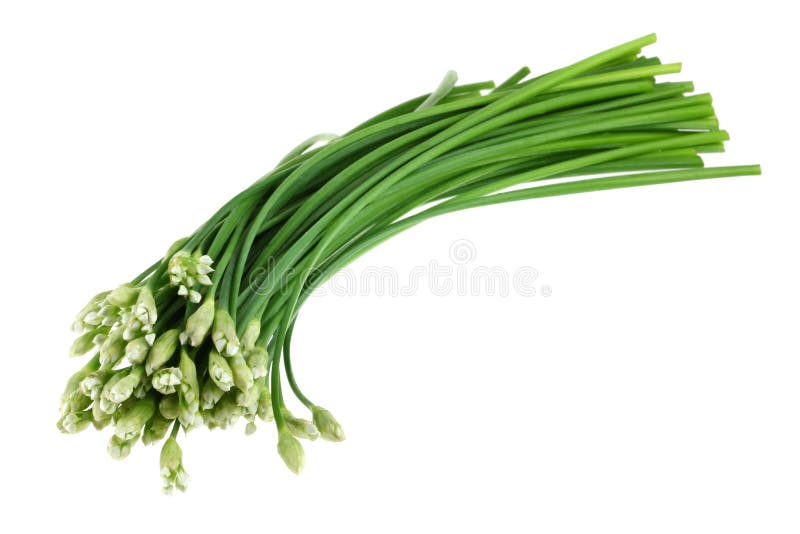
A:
x: 656, y: 390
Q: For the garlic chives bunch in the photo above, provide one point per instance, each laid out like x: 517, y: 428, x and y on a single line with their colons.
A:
x: 203, y: 336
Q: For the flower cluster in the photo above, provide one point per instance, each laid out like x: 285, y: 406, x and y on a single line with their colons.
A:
x: 154, y: 368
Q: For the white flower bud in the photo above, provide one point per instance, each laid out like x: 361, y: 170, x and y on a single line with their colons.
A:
x: 329, y: 428
x: 300, y: 428
x: 210, y: 395
x: 155, y: 429
x: 171, y: 462
x: 145, y: 309
x: 130, y: 425
x: 74, y: 422
x: 189, y: 392
x: 92, y: 385
x: 219, y: 371
x: 83, y: 343
x: 166, y: 379
x: 112, y: 349
x: 248, y: 400
x: 199, y: 323
x: 291, y: 451
x: 242, y: 375
x: 257, y: 359
x: 250, y: 334
x: 136, y: 350
x: 224, y: 333
x: 106, y: 404
x: 123, y: 388
x: 265, y: 412
x: 169, y: 407
x: 119, y: 448
x: 123, y: 297
x: 162, y: 350
x: 226, y: 412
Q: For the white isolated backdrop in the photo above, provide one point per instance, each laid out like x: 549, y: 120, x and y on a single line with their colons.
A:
x: 655, y: 390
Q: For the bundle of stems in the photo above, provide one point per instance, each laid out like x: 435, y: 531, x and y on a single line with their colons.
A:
x: 203, y: 336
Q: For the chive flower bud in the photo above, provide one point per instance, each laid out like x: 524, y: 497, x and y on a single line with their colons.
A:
x: 76, y: 402
x: 220, y: 371
x: 250, y: 429
x: 130, y: 425
x: 169, y: 406
x: 92, y: 385
x: 165, y: 380
x: 171, y: 462
x: 248, y: 400
x: 74, y: 382
x: 291, y: 451
x: 93, y: 307
x: 162, y: 350
x: 199, y: 323
x: 242, y: 375
x: 105, y: 402
x: 123, y: 388
x: 74, y: 422
x: 87, y: 341
x: 119, y: 448
x: 123, y: 297
x: 100, y: 419
x: 257, y: 359
x: 112, y: 349
x: 189, y: 392
x: 264, y: 409
x: 136, y: 350
x: 224, y: 334
x: 250, y: 334
x: 226, y: 412
x: 143, y: 389
x: 329, y: 428
x: 155, y: 429
x: 299, y: 427
x: 145, y: 309
x: 210, y: 395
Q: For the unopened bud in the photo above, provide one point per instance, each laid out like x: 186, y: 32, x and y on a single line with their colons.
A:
x: 83, y: 343
x: 112, y: 349
x: 299, y: 427
x: 257, y: 360
x: 169, y: 406
x: 291, y: 451
x: 220, y: 371
x: 250, y: 334
x: 199, y: 323
x: 265, y: 412
x: 162, y: 350
x: 242, y: 375
x: 166, y: 380
x: 329, y: 428
x: 155, y: 429
x: 145, y: 309
x: 123, y: 389
x: 173, y: 474
x: 136, y: 350
x: 210, y: 395
x: 130, y: 425
x: 119, y: 448
x: 124, y: 296
x: 224, y: 333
